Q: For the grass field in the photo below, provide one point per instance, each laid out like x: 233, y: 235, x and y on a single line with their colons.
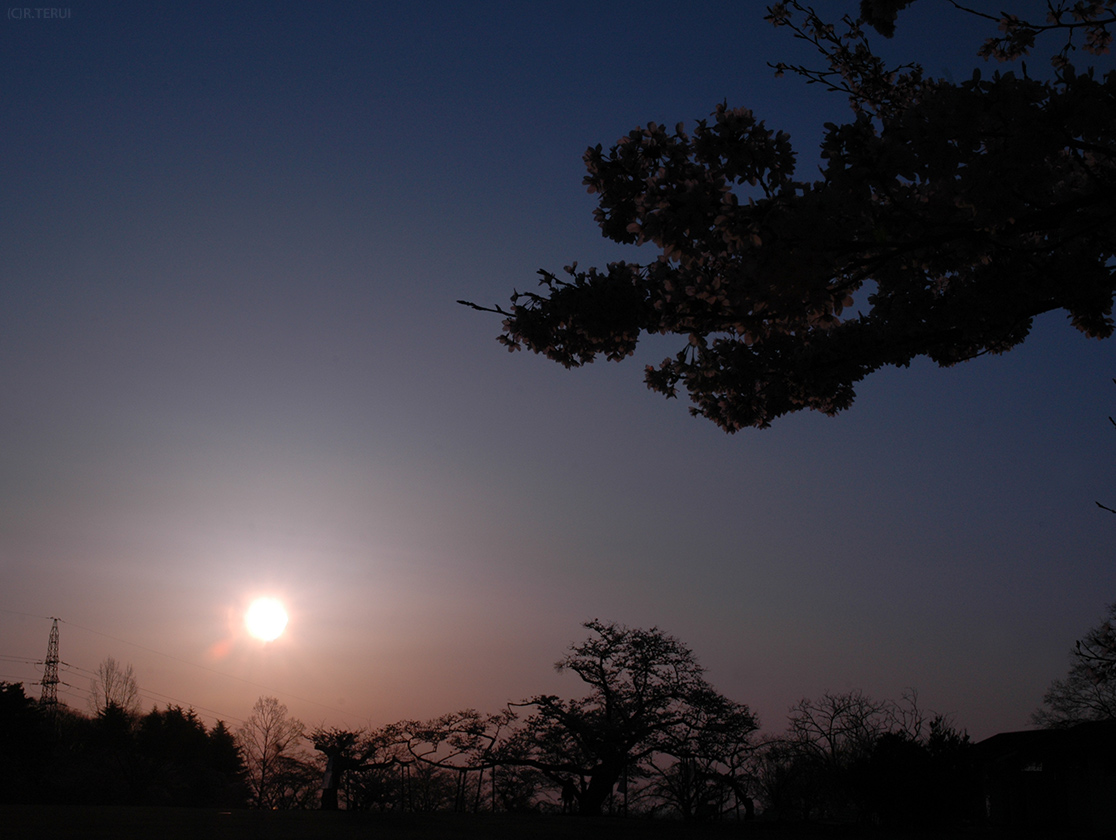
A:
x: 121, y: 823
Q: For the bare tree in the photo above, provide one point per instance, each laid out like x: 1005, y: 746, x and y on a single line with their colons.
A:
x: 1089, y: 690
x: 839, y: 728
x: 279, y: 775
x: 826, y: 739
x: 849, y: 756
x: 113, y: 686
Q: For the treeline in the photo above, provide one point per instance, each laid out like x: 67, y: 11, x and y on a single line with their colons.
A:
x: 649, y: 736
x: 53, y: 754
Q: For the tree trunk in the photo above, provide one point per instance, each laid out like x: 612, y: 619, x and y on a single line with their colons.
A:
x: 601, y: 781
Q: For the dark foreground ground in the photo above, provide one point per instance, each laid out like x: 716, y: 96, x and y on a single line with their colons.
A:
x: 182, y: 823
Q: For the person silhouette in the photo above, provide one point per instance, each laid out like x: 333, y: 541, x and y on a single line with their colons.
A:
x: 569, y: 796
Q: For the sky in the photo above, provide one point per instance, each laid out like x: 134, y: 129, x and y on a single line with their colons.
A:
x: 232, y: 364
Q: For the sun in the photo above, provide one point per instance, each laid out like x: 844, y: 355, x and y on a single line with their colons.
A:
x: 266, y: 619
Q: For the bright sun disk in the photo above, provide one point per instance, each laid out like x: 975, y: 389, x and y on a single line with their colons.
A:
x: 265, y: 619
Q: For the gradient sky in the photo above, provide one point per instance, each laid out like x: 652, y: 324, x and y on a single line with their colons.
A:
x: 231, y: 364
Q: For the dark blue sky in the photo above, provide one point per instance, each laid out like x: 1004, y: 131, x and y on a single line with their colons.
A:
x: 232, y: 364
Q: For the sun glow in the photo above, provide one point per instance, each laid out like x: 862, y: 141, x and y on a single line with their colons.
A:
x: 266, y: 619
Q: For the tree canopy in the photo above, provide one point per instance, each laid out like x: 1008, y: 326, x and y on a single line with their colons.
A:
x: 648, y: 707
x: 946, y: 218
x: 647, y: 696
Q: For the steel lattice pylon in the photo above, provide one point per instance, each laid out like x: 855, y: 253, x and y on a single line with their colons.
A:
x: 49, y: 697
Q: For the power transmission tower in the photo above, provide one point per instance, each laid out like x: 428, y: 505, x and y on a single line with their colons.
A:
x: 49, y: 697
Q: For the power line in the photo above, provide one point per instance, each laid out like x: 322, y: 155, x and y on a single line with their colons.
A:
x: 19, y: 659
x: 212, y: 670
x: 154, y: 696
x: 184, y: 662
x: 76, y: 701
x: 147, y: 692
x: 25, y: 615
x: 69, y: 667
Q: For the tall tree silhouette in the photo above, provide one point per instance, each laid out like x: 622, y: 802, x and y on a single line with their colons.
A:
x: 648, y: 702
x: 647, y: 696
x: 277, y: 771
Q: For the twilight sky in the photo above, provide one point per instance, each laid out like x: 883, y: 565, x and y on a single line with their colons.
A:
x: 231, y: 364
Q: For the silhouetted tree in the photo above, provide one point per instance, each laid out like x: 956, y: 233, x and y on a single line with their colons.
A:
x: 947, y: 217
x: 174, y: 746
x: 75, y: 769
x: 114, y: 685
x: 910, y: 779
x: 709, y: 774
x: 340, y: 750
x: 279, y: 774
x: 26, y: 741
x: 1088, y: 691
x: 952, y: 773
x: 377, y: 783
x: 647, y: 696
x: 183, y: 764
x: 648, y: 701
x: 374, y: 790
x: 468, y: 742
x: 164, y: 757
x: 225, y: 761
x: 431, y: 788
x: 850, y: 757
x: 345, y: 751
x: 110, y: 769
x: 515, y: 788
x: 782, y: 779
x: 827, y: 738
